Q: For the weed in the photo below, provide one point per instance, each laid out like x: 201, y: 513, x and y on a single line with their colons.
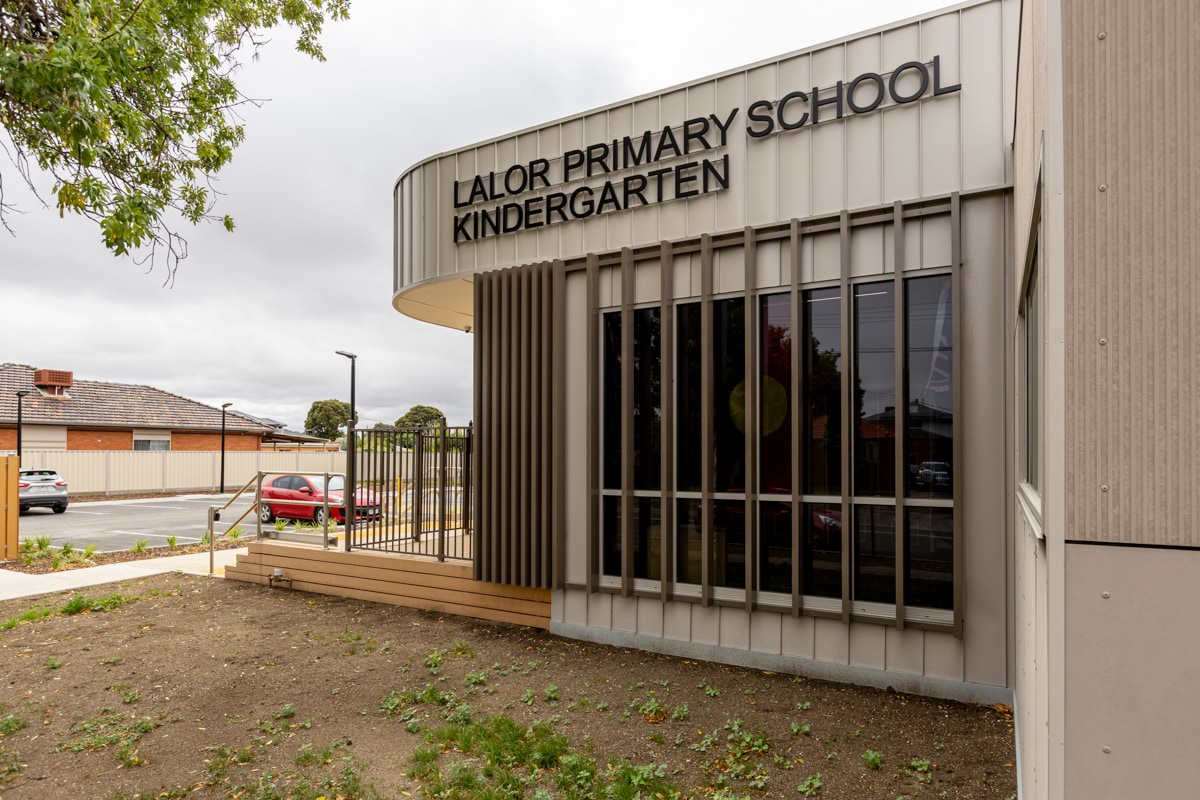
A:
x: 280, y: 524
x: 680, y: 713
x: 529, y: 698
x: 10, y: 724
x: 602, y: 705
x: 462, y: 649
x: 111, y: 730
x: 307, y: 757
x: 939, y: 746
x: 805, y: 706
x: 710, y: 691
x: 874, y: 759
x: 920, y: 769
x: 234, y: 533
x: 550, y: 693
x: 475, y: 678
x: 172, y: 540
x: 129, y: 758
x: 53, y: 663
x: 89, y: 551
x: 10, y: 764
x: 66, y: 549
x: 801, y: 729
x: 140, y: 545
x: 130, y: 697
x: 810, y: 785
x: 651, y: 708
x: 111, y: 661
x: 658, y: 738
x: 287, y: 711
x: 433, y: 661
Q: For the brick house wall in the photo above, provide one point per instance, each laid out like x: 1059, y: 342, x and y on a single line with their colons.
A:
x: 188, y: 440
x: 83, y: 439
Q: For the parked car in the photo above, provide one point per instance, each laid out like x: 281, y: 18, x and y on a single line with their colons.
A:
x: 42, y: 488
x: 934, y: 474
x: 311, y: 488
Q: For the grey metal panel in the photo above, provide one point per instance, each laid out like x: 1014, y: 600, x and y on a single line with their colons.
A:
x: 868, y: 645
x: 627, y: 293
x: 1132, y: 250
x: 956, y: 281
x: 901, y: 405
x: 650, y: 616
x: 797, y: 391
x: 482, y: 377
x: 706, y: 418
x: 666, y: 272
x: 750, y: 264
x: 558, y: 433
x: 847, y: 412
x: 593, y: 400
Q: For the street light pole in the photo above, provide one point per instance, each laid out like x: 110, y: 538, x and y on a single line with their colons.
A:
x: 223, y: 407
x: 20, y: 414
x: 349, y: 495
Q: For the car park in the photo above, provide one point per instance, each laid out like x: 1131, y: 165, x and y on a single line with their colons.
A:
x: 42, y: 488
x: 285, y: 496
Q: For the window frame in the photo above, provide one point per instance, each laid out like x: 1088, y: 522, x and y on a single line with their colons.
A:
x: 670, y: 586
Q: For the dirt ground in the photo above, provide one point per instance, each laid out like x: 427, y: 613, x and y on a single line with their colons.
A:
x: 196, y: 687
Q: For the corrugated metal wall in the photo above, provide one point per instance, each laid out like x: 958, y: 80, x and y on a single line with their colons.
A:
x: 519, y: 419
x: 127, y: 472
x: 1132, y: 127
x: 937, y: 145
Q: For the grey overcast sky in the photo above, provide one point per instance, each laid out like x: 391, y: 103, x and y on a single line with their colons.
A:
x: 254, y: 316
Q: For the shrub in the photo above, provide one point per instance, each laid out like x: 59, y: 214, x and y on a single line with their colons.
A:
x: 172, y: 540
x: 140, y: 545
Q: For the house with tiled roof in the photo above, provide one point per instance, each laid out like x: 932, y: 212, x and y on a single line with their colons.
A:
x: 62, y: 413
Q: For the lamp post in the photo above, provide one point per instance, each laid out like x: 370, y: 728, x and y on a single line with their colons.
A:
x: 20, y: 414
x: 351, y: 456
x: 223, y: 407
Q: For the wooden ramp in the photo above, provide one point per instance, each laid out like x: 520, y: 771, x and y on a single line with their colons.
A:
x: 398, y: 580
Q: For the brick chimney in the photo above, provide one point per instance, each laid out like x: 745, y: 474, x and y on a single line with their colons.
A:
x: 53, y: 381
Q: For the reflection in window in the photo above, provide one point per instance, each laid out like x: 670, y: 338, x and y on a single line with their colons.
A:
x: 875, y: 390
x: 822, y: 565
x: 929, y: 557
x: 775, y: 416
x: 729, y: 544
x: 612, y: 400
x: 823, y: 392
x: 1033, y: 349
x: 688, y: 533
x: 775, y: 547
x: 729, y: 395
x: 687, y: 398
x: 875, y: 553
x: 647, y: 399
x: 647, y: 538
x: 930, y: 375
x: 610, y: 537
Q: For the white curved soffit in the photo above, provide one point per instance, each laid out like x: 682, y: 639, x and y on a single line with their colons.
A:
x: 447, y: 301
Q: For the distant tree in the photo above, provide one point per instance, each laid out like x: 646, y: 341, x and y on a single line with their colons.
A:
x: 422, y: 417
x: 130, y: 107
x: 326, y: 418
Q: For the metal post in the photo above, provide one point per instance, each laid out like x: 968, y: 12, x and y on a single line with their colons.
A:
x: 441, y: 484
x: 225, y: 406
x: 418, y: 512
x: 258, y: 507
x: 212, y: 538
x: 20, y: 420
x: 351, y: 477
x: 325, y: 519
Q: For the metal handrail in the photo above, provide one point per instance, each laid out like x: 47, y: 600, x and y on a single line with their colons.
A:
x: 214, y: 512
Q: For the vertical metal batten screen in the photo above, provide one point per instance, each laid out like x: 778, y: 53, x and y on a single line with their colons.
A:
x: 519, y: 407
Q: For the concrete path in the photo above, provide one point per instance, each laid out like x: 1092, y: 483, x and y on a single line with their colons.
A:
x: 19, y: 584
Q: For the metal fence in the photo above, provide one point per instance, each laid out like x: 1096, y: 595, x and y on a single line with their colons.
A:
x: 414, y: 491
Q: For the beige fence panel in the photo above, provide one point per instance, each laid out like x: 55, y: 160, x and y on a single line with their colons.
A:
x: 129, y: 472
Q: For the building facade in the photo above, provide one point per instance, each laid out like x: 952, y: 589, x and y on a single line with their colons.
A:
x: 832, y: 363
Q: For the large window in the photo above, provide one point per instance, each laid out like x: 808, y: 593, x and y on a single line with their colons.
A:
x: 1031, y: 378
x: 853, y: 476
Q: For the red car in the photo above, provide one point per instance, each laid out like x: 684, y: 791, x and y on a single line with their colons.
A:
x: 276, y: 492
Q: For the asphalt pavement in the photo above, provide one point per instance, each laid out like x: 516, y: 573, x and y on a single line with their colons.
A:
x: 118, y: 524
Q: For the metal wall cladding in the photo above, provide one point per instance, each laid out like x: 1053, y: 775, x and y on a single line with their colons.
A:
x: 936, y: 145
x: 1132, y: 243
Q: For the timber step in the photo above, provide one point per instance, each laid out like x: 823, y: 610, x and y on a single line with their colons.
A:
x: 393, y: 579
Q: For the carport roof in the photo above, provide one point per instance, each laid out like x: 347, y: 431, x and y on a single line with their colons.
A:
x: 108, y: 405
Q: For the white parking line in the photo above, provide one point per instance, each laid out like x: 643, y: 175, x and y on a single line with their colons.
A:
x: 161, y: 508
x: 155, y: 535
x: 90, y: 513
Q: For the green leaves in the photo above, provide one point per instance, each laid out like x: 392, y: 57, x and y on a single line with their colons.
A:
x: 130, y: 105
